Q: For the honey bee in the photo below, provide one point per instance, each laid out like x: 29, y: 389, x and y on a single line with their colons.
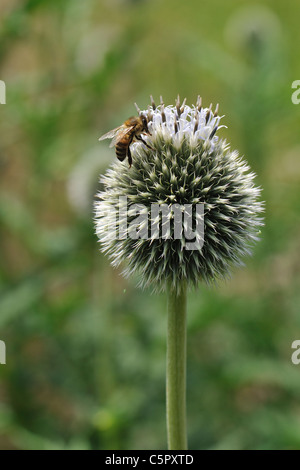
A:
x: 124, y: 135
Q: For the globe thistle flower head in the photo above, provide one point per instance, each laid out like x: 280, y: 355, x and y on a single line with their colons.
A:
x: 185, y: 175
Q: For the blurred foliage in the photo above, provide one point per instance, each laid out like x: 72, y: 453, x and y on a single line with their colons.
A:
x: 86, y: 349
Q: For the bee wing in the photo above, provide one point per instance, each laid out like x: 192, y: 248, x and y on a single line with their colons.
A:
x: 111, y: 134
x: 116, y: 134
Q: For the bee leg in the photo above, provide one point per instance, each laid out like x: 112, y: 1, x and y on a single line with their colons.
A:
x: 145, y: 143
x: 129, y: 157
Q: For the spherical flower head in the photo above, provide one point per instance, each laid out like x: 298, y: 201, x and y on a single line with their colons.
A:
x: 187, y: 210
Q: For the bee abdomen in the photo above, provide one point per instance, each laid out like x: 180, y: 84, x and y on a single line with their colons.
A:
x: 121, y: 150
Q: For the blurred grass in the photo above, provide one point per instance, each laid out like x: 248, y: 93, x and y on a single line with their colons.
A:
x: 85, y: 349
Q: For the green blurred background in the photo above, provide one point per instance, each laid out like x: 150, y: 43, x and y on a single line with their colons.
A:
x: 85, y: 348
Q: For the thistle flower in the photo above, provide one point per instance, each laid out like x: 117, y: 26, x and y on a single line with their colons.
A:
x: 188, y: 165
x: 182, y: 164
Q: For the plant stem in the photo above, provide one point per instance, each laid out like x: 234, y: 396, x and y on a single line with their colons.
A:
x: 176, y: 369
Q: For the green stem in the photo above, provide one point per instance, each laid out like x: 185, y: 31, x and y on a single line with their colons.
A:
x: 176, y: 370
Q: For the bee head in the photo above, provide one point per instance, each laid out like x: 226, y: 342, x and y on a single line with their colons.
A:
x: 145, y: 124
